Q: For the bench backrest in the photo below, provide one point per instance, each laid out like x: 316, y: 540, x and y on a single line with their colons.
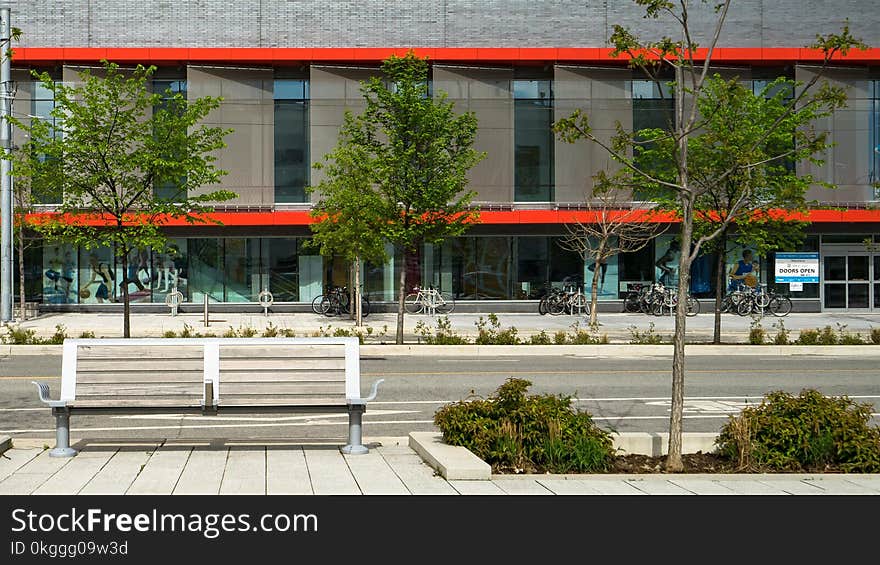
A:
x: 241, y: 371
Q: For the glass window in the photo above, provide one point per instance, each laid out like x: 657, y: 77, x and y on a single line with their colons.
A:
x: 835, y: 268
x: 42, y: 105
x: 874, y: 143
x: 291, y: 139
x: 283, y: 266
x: 533, y: 141
x: 168, y: 89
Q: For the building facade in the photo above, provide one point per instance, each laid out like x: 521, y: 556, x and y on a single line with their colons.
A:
x: 287, y: 71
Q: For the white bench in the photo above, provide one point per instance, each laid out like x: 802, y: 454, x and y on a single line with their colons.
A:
x: 209, y: 376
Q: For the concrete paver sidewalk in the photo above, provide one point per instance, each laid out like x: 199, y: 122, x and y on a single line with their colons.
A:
x: 178, y: 467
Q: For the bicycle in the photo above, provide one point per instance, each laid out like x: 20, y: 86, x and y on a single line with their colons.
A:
x: 428, y: 301
x: 760, y: 300
x: 336, y: 301
x: 570, y: 300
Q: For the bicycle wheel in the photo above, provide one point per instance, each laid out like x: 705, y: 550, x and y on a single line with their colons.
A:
x: 316, y: 304
x: 693, y: 306
x: 745, y: 306
x: 412, y: 303
x: 762, y: 299
x: 631, y: 303
x: 329, y: 306
x: 556, y: 305
x: 445, y: 303
x: 779, y: 306
x: 542, y: 306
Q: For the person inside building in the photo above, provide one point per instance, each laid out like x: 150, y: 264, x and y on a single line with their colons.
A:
x: 745, y: 272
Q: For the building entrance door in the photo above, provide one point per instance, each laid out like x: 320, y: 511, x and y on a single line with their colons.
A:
x: 848, y: 275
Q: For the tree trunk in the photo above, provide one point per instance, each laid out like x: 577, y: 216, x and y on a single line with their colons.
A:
x: 720, y: 286
x: 594, y: 288
x: 21, y: 296
x: 401, y: 294
x: 673, y: 458
x: 126, y: 307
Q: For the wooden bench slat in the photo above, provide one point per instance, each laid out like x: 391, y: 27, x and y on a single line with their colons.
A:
x: 136, y: 403
x: 284, y: 363
x: 280, y: 376
x: 282, y: 401
x: 139, y: 378
x: 135, y: 388
x: 283, y: 389
x: 147, y: 365
x: 139, y: 352
x: 282, y: 350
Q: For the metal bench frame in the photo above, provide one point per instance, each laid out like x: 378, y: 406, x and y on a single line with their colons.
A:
x: 212, y: 399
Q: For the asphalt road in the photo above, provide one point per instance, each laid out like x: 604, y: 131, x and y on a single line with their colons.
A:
x: 622, y: 395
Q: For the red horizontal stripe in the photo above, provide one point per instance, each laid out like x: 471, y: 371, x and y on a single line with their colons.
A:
x: 498, y: 217
x: 159, y: 55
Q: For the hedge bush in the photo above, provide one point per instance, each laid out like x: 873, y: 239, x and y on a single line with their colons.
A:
x: 515, y: 432
x: 804, y: 433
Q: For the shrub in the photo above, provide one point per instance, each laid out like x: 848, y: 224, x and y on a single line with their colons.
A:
x: 781, y: 334
x: 809, y: 432
x: 828, y: 336
x: 648, y: 337
x: 540, y: 338
x: 808, y: 337
x: 16, y: 335
x: 493, y: 334
x: 88, y: 334
x: 757, y: 333
x: 444, y: 334
x: 875, y: 336
x: 515, y: 432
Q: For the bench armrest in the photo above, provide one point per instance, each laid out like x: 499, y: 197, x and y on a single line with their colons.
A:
x: 43, y: 391
x: 373, y: 392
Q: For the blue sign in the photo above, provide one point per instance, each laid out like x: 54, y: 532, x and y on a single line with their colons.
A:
x: 797, y: 267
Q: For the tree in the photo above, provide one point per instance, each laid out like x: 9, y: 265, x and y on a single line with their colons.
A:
x: 29, y: 188
x: 348, y: 213
x: 419, y: 154
x: 614, y: 226
x: 745, y: 206
x: 113, y: 145
x: 689, y: 87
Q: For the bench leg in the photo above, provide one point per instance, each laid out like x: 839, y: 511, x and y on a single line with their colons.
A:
x: 355, y: 431
x: 62, y: 435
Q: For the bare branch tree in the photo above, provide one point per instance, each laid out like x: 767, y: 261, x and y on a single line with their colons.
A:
x: 614, y: 224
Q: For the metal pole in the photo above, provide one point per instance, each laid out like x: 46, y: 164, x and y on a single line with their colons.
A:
x: 5, y: 166
x: 206, y: 310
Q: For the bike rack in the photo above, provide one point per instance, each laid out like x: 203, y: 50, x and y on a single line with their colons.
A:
x: 266, y: 300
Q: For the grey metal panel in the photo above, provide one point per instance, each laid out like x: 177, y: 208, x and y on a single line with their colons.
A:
x: 333, y: 90
x: 486, y: 91
x: 247, y: 109
x: 847, y: 162
x: 604, y: 96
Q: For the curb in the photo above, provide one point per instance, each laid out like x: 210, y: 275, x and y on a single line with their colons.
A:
x: 454, y: 462
x: 607, y: 350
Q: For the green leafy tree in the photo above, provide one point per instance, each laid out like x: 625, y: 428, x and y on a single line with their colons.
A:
x: 29, y: 188
x: 741, y: 164
x: 114, y: 142
x: 419, y: 154
x: 661, y: 161
x: 348, y: 213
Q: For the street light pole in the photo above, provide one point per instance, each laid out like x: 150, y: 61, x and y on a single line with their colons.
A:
x: 5, y: 165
